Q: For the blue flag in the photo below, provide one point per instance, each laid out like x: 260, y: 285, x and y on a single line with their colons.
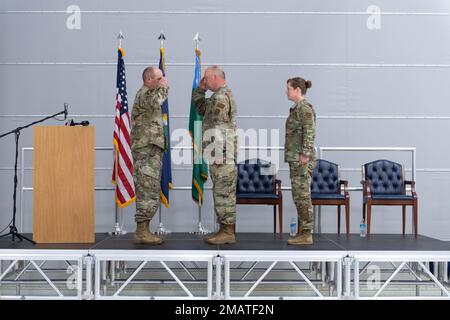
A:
x: 166, y: 175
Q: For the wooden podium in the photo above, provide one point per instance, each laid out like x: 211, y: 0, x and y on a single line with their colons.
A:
x: 63, y: 210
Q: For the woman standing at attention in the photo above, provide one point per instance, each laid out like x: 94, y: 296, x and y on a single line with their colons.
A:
x: 299, y: 152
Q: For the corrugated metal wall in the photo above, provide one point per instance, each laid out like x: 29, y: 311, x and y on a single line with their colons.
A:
x: 385, y: 87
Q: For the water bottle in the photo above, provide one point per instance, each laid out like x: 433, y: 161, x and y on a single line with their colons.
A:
x: 362, y: 229
x: 293, y: 227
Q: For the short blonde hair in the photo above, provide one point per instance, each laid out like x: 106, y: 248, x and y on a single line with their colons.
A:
x: 217, y: 71
x: 149, y: 73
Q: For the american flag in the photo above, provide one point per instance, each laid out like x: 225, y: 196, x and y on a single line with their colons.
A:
x: 123, y: 161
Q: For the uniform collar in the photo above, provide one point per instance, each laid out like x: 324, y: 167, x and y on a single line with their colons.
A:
x: 304, y: 101
x: 222, y: 88
x: 146, y: 89
x: 299, y: 104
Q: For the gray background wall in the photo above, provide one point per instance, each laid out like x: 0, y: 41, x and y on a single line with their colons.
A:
x: 377, y: 88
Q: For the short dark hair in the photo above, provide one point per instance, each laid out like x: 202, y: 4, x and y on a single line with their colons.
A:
x: 301, y: 83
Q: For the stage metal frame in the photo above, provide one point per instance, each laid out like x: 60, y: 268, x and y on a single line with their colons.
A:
x: 101, y: 257
x: 218, y: 270
x: 275, y: 257
x: 37, y: 259
x: 414, y: 261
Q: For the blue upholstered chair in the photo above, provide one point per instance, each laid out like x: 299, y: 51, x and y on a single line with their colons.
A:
x: 256, y: 184
x: 326, y: 189
x: 384, y: 184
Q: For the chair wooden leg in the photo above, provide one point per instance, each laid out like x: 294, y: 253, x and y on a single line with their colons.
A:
x: 339, y: 220
x: 416, y: 218
x: 364, y: 211
x: 403, y: 219
x: 280, y: 215
x: 275, y: 221
x: 369, y: 217
x: 347, y: 216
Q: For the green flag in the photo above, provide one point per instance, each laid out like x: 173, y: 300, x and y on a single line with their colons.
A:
x: 200, y: 169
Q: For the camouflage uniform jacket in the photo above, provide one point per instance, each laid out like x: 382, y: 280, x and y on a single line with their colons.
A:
x: 147, y: 118
x: 219, y: 112
x: 300, y: 132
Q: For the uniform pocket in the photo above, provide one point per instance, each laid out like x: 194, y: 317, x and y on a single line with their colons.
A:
x: 297, y: 170
x: 292, y: 124
x: 155, y: 129
x: 291, y: 127
x: 151, y: 170
x: 293, y: 170
x: 220, y: 113
x: 147, y: 162
x: 304, y: 170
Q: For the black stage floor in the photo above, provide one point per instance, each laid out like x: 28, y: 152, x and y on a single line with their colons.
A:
x: 249, y: 241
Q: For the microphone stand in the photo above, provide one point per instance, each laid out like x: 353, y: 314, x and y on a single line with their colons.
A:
x: 13, y: 229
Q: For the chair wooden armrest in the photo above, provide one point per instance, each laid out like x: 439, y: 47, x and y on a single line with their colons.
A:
x: 366, y: 188
x: 345, y: 183
x: 278, y: 187
x: 413, y: 187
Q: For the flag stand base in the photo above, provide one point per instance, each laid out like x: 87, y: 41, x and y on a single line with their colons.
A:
x: 162, y: 229
x: 200, y: 229
x: 117, y: 230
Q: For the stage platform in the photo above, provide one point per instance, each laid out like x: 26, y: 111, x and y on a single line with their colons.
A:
x: 246, y: 241
x: 258, y: 266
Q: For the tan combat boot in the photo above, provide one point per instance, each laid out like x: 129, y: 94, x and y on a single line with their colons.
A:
x: 224, y: 236
x: 213, y: 234
x: 301, y: 238
x: 210, y: 235
x: 144, y: 236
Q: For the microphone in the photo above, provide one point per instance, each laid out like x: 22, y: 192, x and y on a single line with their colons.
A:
x: 66, y: 107
x: 82, y: 123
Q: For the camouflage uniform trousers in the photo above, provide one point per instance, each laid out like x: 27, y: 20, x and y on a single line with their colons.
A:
x: 147, y: 181
x: 301, y: 192
x: 224, y: 178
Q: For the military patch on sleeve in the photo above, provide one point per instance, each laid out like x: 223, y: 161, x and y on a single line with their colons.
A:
x: 308, y: 116
x: 220, y: 105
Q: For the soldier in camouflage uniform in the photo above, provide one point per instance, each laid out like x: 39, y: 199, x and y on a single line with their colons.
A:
x: 300, y: 154
x: 219, y: 149
x: 147, y: 146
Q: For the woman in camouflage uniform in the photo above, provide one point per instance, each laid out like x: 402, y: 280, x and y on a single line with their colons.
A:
x: 300, y: 154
